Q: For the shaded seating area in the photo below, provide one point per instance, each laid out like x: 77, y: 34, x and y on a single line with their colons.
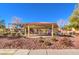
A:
x: 40, y: 29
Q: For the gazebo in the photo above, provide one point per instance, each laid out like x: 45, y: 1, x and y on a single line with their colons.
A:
x: 39, y: 25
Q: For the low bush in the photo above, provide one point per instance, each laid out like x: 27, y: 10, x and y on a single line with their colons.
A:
x: 48, y: 43
x: 54, y: 39
x: 5, y: 34
x: 18, y: 35
x: 41, y: 41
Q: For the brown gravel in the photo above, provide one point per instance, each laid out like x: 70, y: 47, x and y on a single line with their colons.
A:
x: 34, y: 43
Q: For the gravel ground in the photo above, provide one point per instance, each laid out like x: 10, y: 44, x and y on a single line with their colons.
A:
x: 38, y: 43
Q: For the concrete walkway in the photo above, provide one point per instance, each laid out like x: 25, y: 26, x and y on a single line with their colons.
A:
x: 39, y: 52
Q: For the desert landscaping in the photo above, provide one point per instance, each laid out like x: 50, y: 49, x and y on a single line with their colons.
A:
x: 39, y: 43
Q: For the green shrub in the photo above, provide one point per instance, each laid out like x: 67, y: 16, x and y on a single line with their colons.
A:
x: 5, y: 34
x: 13, y: 34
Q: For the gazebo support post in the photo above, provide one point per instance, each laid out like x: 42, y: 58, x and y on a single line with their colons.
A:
x: 25, y: 31
x: 28, y: 30
x: 52, y: 31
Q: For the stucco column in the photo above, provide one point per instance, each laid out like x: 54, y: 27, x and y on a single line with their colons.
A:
x: 28, y: 30
x: 52, y: 31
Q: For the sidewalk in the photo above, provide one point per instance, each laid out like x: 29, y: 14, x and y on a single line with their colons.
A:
x: 39, y: 52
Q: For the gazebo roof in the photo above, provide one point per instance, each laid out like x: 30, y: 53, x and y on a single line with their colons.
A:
x: 41, y: 23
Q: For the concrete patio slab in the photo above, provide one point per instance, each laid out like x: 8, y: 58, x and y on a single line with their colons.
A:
x: 22, y: 52
x: 38, y: 52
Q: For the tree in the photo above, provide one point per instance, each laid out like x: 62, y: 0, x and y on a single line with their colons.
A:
x: 67, y: 27
x: 2, y: 23
x: 74, y: 19
x: 16, y: 22
x: 61, y: 23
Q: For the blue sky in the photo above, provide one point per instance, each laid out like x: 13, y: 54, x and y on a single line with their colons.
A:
x: 36, y: 12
